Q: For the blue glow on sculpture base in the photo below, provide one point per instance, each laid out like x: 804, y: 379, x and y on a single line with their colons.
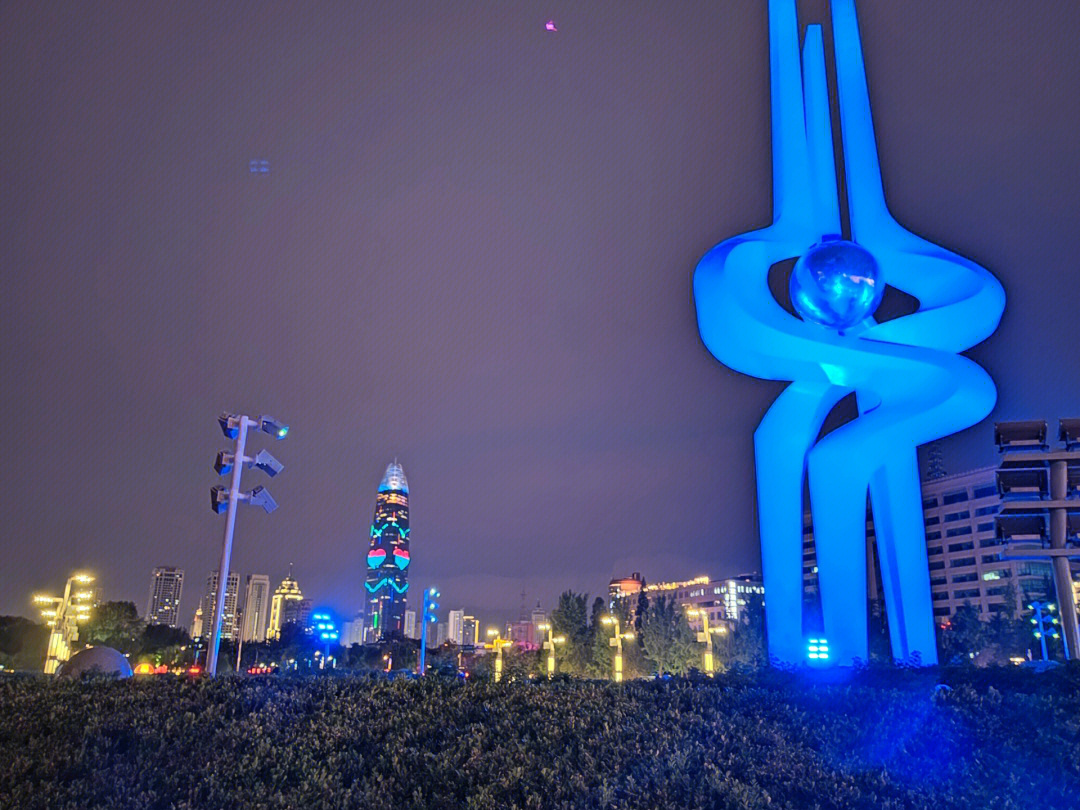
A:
x: 911, y: 384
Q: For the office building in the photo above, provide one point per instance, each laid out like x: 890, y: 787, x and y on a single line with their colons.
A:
x: 470, y: 631
x: 286, y: 606
x: 722, y: 600
x: 256, y: 615
x: 388, y: 557
x: 209, y: 605
x: 455, y: 624
x: 410, y: 625
x: 166, y: 587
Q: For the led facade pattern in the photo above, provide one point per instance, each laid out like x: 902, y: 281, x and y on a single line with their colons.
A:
x: 911, y: 384
x: 388, y: 558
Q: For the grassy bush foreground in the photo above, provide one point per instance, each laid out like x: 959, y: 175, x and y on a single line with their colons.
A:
x: 778, y: 740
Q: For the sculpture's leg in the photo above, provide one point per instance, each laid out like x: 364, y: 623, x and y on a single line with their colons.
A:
x: 781, y: 442
x: 896, y: 498
x: 839, y: 477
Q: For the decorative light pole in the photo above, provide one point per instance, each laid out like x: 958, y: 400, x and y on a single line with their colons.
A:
x: 1046, y: 624
x: 549, y: 645
x: 497, y: 643
x: 428, y: 617
x: 225, y: 500
x: 707, y: 659
x: 323, y: 626
x: 64, y: 614
x: 616, y: 642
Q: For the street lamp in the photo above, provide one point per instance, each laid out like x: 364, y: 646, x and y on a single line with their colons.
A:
x: 1045, y: 624
x: 428, y: 617
x: 497, y: 643
x: 616, y: 642
x: 323, y: 626
x: 706, y: 634
x: 549, y: 645
x: 235, y: 426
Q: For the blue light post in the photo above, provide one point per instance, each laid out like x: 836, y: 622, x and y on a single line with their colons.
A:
x: 428, y: 617
x: 1045, y: 624
x: 323, y: 627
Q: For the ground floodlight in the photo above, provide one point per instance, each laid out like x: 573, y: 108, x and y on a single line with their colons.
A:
x: 230, y: 425
x: 267, y: 463
x: 219, y: 498
x: 275, y: 427
x: 224, y: 462
x: 260, y: 496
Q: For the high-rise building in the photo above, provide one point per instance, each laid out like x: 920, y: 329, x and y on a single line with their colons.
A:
x: 440, y: 634
x: 209, y: 605
x: 470, y: 631
x: 197, y: 622
x: 388, y: 557
x: 285, y: 606
x: 455, y: 624
x: 410, y: 624
x: 166, y: 586
x: 352, y: 632
x: 256, y: 608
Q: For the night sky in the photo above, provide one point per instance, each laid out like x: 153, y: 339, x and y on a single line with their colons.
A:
x: 473, y: 251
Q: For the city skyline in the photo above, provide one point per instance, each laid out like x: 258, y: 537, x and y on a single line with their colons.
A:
x: 461, y: 279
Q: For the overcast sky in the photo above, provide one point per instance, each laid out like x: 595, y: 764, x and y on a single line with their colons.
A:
x: 473, y: 251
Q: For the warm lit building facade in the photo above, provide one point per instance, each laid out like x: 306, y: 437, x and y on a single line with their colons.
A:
x: 722, y: 600
x: 622, y: 588
x: 229, y: 613
x: 256, y: 614
x: 166, y: 587
x: 286, y: 606
x: 387, y: 580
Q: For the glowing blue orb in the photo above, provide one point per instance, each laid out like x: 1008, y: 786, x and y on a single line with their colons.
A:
x: 836, y: 283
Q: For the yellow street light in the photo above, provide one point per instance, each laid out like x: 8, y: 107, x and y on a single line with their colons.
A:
x: 616, y: 642
x: 497, y: 644
x: 549, y: 645
x: 708, y: 664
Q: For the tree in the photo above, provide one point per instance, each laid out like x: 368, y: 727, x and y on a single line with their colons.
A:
x: 22, y: 643
x: 569, y: 619
x: 667, y: 639
x: 746, y: 643
x: 963, y: 636
x: 114, y: 624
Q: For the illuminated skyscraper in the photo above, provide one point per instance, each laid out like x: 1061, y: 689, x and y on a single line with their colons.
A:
x: 166, y: 585
x: 256, y: 608
x: 286, y: 606
x: 209, y: 605
x: 388, y: 557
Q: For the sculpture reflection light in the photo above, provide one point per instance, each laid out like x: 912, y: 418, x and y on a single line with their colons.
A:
x: 910, y: 382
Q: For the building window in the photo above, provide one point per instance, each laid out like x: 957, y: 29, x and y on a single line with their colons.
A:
x: 929, y: 503
x: 954, y: 516
x: 933, y: 520
x: 985, y: 491
x: 987, y: 510
x: 955, y: 497
x: 940, y: 597
x: 985, y: 527
x: 967, y: 593
x: 997, y: 590
x: 990, y: 558
x: 941, y: 611
x: 933, y: 535
x: 960, y: 562
x: 986, y: 542
x: 937, y: 581
x: 954, y: 547
x: 959, y: 530
x: 972, y: 577
x: 937, y: 565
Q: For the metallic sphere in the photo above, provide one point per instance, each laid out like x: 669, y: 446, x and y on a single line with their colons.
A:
x: 837, y: 284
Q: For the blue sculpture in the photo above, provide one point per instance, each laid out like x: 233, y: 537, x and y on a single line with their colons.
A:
x: 910, y: 383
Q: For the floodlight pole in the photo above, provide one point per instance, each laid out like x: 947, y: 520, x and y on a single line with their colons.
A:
x: 226, y: 544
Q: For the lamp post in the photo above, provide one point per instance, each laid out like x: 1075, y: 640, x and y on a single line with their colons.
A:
x: 1045, y: 624
x: 235, y: 427
x: 497, y: 643
x: 549, y: 645
x: 428, y: 617
x: 616, y: 642
x: 64, y: 614
x: 708, y: 660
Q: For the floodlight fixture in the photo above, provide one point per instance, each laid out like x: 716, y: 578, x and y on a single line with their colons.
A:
x: 260, y: 496
x: 219, y: 498
x: 230, y: 425
x: 1026, y: 434
x: 1069, y: 433
x: 223, y: 464
x: 267, y: 463
x: 275, y: 427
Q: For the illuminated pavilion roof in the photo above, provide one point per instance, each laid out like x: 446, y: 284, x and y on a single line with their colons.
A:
x: 394, y: 479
